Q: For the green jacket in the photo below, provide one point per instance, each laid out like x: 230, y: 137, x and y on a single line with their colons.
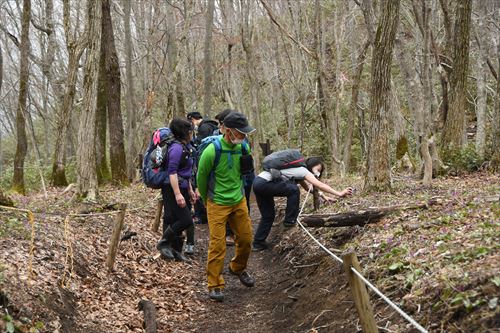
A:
x: 225, y: 186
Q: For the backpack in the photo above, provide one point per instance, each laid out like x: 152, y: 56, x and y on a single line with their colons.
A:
x: 216, y: 140
x: 284, y: 159
x: 206, y: 128
x: 153, y: 173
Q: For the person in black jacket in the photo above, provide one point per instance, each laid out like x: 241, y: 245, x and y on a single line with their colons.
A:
x: 203, y: 127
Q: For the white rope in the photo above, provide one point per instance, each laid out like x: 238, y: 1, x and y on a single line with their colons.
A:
x: 371, y: 286
x: 385, y: 298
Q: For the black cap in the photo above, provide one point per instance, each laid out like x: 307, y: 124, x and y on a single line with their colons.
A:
x: 194, y: 115
x: 239, y: 122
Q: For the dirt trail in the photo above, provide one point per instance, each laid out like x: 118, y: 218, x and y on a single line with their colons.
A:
x: 244, y: 309
x: 285, y: 298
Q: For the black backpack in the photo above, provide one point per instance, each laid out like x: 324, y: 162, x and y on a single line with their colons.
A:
x: 284, y: 159
x: 206, y: 129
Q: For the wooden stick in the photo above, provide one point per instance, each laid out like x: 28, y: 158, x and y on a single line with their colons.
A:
x: 115, y: 238
x: 359, y: 294
x: 156, y: 222
x: 316, y: 199
x: 149, y: 310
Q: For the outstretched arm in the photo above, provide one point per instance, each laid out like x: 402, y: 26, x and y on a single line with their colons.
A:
x: 326, y: 188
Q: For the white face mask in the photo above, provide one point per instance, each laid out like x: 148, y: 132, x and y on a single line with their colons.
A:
x: 234, y: 139
x: 317, y: 174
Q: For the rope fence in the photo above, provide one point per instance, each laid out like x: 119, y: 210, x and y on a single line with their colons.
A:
x: 406, y: 316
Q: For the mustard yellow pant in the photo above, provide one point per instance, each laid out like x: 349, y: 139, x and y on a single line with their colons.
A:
x: 241, y: 225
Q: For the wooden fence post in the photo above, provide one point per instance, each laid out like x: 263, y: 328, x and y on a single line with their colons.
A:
x: 359, y: 294
x: 115, y: 237
x: 156, y: 222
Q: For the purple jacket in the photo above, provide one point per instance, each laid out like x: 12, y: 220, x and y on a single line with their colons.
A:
x: 180, y: 162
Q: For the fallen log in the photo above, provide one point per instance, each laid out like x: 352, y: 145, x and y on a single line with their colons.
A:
x: 149, y: 310
x: 361, y: 217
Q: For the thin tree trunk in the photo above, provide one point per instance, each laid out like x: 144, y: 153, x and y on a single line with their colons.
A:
x: 207, y: 100
x: 22, y: 141
x: 482, y: 72
x: 252, y: 75
x: 327, y: 90
x: 427, y: 101
x: 481, y: 111
x: 101, y: 121
x: 378, y: 171
x: 75, y: 50
x: 86, y: 161
x: 495, y: 160
x: 117, y: 157
x: 130, y: 98
x: 281, y: 85
x: 1, y: 67
x: 454, y: 127
x: 1, y: 80
x: 356, y: 80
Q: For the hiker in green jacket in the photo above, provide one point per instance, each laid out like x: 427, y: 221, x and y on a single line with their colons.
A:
x: 220, y: 185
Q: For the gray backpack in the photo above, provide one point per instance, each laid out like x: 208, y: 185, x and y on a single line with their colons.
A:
x: 284, y: 159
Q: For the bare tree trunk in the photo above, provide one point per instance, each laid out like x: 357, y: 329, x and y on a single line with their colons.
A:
x: 327, y: 89
x: 116, y: 138
x: 454, y: 127
x: 356, y: 80
x: 426, y: 123
x: 378, y: 171
x: 86, y: 161
x: 231, y: 37
x: 207, y: 100
x: 1, y: 67
x: 281, y: 80
x: 48, y: 54
x: 1, y: 80
x: 482, y: 72
x: 495, y: 160
x: 22, y: 141
x: 246, y: 39
x: 101, y: 121
x: 75, y: 50
x: 130, y: 98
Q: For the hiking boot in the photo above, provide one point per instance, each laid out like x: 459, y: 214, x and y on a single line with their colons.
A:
x: 260, y: 246
x: 216, y: 294
x: 179, y: 256
x: 229, y: 240
x: 246, y: 279
x: 165, y: 248
x: 289, y: 224
x: 189, y: 250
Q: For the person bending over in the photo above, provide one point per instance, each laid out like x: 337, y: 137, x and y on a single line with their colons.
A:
x: 266, y: 186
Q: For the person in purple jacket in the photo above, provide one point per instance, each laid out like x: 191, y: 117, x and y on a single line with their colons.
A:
x: 178, y: 194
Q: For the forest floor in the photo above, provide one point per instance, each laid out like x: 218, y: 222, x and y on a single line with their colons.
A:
x: 440, y: 264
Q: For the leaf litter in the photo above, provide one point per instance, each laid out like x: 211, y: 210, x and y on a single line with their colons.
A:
x: 440, y: 264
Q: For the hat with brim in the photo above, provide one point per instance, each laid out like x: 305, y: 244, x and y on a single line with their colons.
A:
x: 239, y: 122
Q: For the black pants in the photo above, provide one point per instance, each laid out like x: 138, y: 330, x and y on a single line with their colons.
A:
x: 179, y: 219
x: 264, y: 193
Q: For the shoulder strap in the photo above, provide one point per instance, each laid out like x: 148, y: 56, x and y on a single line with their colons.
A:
x: 218, y: 151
